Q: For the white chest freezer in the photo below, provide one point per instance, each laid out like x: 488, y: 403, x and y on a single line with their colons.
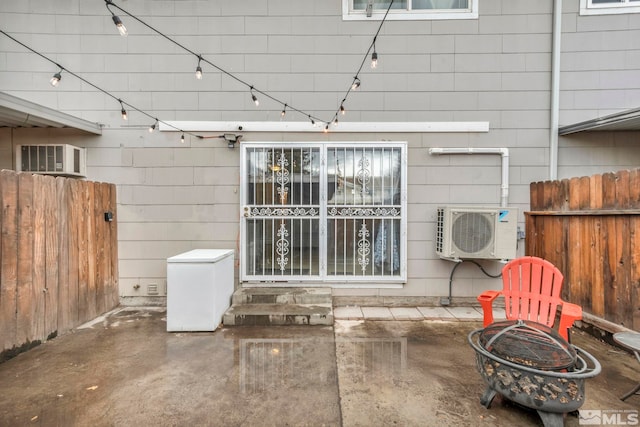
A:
x: 199, y: 289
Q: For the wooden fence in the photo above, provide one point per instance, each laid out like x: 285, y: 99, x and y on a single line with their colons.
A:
x: 58, y: 256
x: 590, y: 228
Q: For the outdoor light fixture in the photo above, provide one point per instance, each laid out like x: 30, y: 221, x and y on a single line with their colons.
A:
x: 199, y: 69
x: 253, y: 97
x: 284, y: 111
x: 123, y: 111
x: 313, y: 122
x: 374, y: 59
x: 153, y: 126
x: 55, y: 80
x: 356, y: 83
x: 342, y: 110
x: 335, y: 121
x: 182, y: 139
x: 116, y: 20
x: 121, y: 28
x: 326, y: 128
x: 231, y: 139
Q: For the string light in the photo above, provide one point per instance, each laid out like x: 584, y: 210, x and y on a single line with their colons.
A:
x: 284, y: 111
x: 123, y: 111
x: 55, y: 80
x: 313, y: 122
x: 182, y: 139
x: 374, y: 58
x: 199, y: 69
x: 153, y: 126
x: 342, y: 110
x: 122, y: 103
x: 116, y: 20
x: 355, y: 85
x: 254, y: 97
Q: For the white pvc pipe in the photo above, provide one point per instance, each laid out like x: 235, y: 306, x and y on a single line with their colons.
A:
x: 555, y: 89
x: 504, y: 153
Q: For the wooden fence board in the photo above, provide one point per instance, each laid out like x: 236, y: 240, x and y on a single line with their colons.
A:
x: 64, y: 199
x: 9, y: 259
x: 97, y: 255
x: 634, y: 189
x: 39, y: 258
x: 82, y: 212
x: 25, y: 286
x: 74, y: 242
x: 113, y: 231
x: 51, y: 256
x: 635, y: 272
x: 600, y: 239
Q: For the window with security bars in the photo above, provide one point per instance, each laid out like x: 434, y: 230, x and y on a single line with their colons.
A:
x: 323, y: 212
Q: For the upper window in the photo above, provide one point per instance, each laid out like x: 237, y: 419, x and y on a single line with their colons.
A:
x: 607, y: 7
x: 409, y: 9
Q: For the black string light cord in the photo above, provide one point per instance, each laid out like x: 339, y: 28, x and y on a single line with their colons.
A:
x: 122, y: 102
x: 313, y: 119
x: 116, y: 19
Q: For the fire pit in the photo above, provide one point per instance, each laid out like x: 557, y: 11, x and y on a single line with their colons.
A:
x: 532, y: 365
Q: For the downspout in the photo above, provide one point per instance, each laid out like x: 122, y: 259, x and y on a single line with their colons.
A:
x: 504, y: 152
x: 555, y: 89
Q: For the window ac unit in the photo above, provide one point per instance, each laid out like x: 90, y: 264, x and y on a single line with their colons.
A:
x: 52, y: 159
x: 469, y: 232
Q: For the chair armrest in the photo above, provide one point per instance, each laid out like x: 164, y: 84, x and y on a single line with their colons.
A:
x: 569, y: 314
x: 486, y: 302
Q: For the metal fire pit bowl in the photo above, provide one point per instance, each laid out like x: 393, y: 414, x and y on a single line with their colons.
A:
x: 551, y: 393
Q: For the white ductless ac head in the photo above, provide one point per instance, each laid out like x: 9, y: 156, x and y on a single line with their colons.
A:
x: 52, y: 159
x: 472, y: 232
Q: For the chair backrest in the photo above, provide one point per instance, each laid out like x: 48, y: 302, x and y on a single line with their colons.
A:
x: 531, y: 289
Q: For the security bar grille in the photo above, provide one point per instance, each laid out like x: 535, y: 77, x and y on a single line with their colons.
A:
x: 323, y: 212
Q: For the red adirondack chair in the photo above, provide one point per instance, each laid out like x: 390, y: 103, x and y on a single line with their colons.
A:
x: 531, y: 290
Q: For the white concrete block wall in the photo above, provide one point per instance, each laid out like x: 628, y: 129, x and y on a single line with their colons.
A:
x: 174, y: 197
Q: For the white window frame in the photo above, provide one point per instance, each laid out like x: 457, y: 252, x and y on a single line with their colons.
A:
x: 588, y: 8
x: 371, y: 281
x: 349, y: 14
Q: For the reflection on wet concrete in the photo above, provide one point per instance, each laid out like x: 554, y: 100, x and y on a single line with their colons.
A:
x: 126, y: 370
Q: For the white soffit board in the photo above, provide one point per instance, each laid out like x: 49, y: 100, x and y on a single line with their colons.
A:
x: 18, y: 113
x: 401, y: 127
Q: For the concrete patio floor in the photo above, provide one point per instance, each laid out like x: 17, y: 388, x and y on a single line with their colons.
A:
x: 124, y: 369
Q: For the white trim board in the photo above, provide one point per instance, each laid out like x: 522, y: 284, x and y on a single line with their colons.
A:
x: 342, y: 127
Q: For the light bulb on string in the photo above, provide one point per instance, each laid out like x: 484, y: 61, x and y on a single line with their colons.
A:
x: 55, y: 80
x: 199, y: 69
x: 254, y: 97
x: 313, y: 122
x: 153, y: 126
x: 356, y: 83
x: 284, y: 111
x: 374, y: 59
x: 123, y: 112
x: 182, y: 139
x: 342, y: 110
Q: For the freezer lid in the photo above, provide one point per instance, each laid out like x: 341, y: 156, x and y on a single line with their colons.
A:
x: 201, y: 255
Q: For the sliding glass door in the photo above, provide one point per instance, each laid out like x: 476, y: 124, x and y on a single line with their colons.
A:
x: 323, y: 212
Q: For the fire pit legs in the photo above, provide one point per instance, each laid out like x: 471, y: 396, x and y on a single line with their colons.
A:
x: 551, y: 419
x: 487, y: 397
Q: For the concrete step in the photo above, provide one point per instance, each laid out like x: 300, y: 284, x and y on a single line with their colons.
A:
x: 282, y: 296
x: 279, y: 314
x: 280, y: 306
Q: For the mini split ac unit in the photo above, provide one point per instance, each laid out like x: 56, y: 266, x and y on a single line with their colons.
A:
x: 52, y: 159
x: 470, y: 232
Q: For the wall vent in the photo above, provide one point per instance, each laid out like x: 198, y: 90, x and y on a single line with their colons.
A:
x: 52, y: 159
x: 469, y: 232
